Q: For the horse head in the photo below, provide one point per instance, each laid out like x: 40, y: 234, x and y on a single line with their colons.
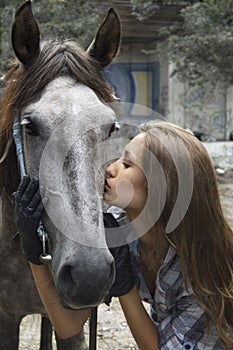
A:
x: 60, y: 96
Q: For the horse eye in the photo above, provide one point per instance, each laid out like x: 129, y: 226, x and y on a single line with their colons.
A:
x: 30, y: 127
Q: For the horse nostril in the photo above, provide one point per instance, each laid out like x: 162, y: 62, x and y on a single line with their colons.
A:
x: 66, y: 279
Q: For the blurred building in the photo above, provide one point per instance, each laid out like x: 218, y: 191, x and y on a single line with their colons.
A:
x: 141, y: 78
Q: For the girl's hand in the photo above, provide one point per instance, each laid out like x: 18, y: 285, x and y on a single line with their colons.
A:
x: 27, y: 213
x: 124, y: 280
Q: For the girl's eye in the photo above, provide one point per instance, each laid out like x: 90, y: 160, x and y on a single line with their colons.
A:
x: 125, y: 165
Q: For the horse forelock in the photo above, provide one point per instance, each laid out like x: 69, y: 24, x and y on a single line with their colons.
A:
x: 24, y: 85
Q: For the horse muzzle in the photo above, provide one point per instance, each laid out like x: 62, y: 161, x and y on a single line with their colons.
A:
x: 84, y: 279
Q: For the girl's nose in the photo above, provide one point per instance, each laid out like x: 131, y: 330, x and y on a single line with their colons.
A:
x: 111, y: 170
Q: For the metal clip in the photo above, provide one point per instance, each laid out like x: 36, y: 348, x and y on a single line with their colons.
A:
x: 45, y: 257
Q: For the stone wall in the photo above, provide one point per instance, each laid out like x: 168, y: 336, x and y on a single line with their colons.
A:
x: 221, y: 154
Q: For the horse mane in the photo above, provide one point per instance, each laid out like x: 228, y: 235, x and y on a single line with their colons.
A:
x: 24, y: 84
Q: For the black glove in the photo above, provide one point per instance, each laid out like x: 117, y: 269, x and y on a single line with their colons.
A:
x: 124, y: 280
x: 27, y: 214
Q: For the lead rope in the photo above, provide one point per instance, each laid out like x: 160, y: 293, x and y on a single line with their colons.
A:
x: 45, y: 257
x: 93, y: 329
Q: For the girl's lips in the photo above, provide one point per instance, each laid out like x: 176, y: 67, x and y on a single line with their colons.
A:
x: 106, y: 185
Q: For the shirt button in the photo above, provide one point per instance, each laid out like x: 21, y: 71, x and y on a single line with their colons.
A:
x: 162, y: 307
x: 188, y: 346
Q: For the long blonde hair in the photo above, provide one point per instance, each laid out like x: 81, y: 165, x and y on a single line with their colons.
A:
x: 202, y: 237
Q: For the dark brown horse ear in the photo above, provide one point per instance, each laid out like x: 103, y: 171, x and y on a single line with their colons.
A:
x: 25, y: 34
x: 107, y: 40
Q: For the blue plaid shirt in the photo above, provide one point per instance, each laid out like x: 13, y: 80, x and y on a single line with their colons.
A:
x: 179, y: 318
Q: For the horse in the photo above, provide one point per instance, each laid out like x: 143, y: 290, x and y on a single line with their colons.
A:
x: 58, y: 92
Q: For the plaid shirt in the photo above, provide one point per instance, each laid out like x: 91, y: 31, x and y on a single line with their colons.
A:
x: 179, y: 318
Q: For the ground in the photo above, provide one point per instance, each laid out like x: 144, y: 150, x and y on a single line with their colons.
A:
x: 112, y: 331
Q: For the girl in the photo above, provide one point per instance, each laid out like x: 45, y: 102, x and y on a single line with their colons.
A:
x: 182, y: 261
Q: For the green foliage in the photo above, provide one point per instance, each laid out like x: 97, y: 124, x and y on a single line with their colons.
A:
x: 201, y: 45
x: 70, y: 18
x: 75, y: 19
x: 0, y: 40
x: 201, y: 42
x: 144, y: 9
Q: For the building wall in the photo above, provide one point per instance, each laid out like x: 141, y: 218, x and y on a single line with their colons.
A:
x: 135, y: 78
x: 207, y: 110
x: 146, y: 80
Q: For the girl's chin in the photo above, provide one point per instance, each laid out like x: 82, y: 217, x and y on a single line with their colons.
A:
x: 112, y: 201
x: 107, y: 197
x: 108, y: 200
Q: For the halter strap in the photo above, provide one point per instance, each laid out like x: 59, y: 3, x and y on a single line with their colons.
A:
x: 17, y: 135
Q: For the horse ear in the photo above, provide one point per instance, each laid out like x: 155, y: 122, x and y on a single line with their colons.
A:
x: 107, y: 40
x: 25, y: 34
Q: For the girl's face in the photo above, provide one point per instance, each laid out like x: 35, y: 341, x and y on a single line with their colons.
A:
x: 126, y: 185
